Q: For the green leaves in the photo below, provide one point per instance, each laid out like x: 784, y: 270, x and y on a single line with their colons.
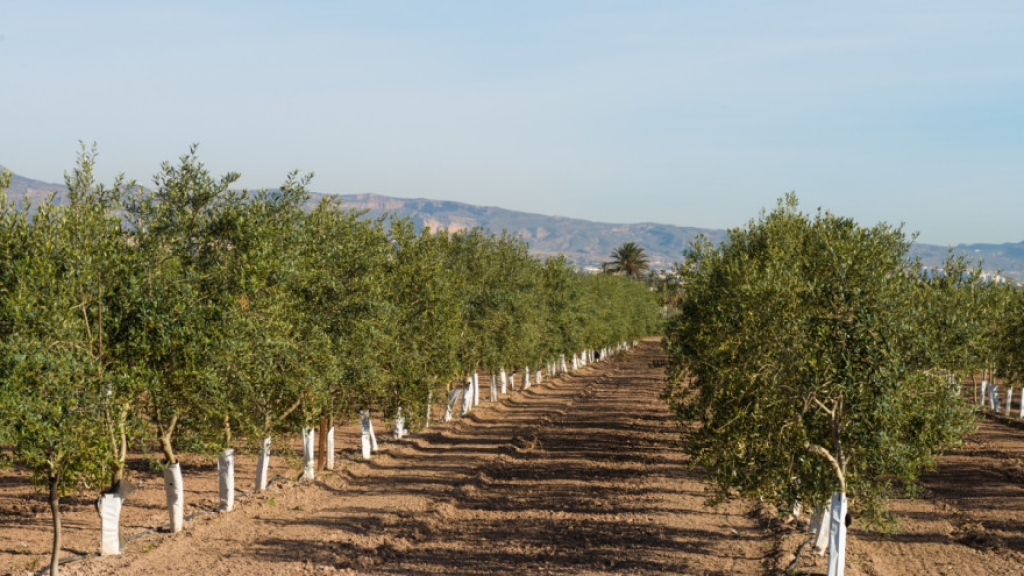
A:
x: 61, y: 268
x: 803, y: 331
x: 193, y: 314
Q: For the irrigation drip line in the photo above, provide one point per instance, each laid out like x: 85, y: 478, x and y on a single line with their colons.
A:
x: 63, y: 561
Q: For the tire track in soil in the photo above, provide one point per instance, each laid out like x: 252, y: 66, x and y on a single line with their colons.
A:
x: 580, y: 475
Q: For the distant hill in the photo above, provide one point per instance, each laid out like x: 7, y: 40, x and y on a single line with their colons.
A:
x: 35, y: 190
x: 583, y: 242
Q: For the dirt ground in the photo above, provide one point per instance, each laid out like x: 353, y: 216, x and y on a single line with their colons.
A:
x: 581, y: 475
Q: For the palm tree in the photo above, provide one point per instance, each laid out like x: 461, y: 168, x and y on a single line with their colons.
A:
x: 628, y: 259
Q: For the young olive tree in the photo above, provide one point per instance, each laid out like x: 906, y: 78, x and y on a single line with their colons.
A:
x: 174, y: 317
x: 804, y: 352
x: 423, y: 318
x: 564, y: 314
x: 341, y: 292
x: 273, y: 358
x: 58, y: 388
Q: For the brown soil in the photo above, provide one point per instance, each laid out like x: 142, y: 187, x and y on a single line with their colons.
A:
x: 580, y: 475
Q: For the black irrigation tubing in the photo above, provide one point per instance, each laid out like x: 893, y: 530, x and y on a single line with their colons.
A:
x: 792, y: 565
x: 63, y: 561
x: 242, y: 494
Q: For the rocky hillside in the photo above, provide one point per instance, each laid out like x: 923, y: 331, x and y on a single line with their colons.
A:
x: 585, y: 243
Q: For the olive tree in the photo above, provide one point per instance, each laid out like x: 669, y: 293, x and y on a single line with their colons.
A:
x: 804, y: 352
x: 423, y: 318
x: 58, y: 269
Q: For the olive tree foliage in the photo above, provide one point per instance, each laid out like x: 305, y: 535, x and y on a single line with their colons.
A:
x: 175, y: 315
x: 269, y: 359
x: 195, y: 317
x: 1006, y: 315
x: 422, y: 320
x: 64, y: 408
x: 966, y: 313
x: 509, y: 306
x: 806, y: 353
x: 562, y: 292
x: 617, y: 311
x: 341, y: 291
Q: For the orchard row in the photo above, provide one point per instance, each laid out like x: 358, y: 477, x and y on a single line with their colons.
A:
x: 199, y: 317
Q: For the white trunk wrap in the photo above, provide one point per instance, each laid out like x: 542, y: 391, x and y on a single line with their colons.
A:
x: 263, y: 465
x: 330, y: 448
x: 837, y: 535
x: 175, y: 496
x: 110, y: 524
x: 308, y: 454
x: 367, y: 430
x: 226, y: 479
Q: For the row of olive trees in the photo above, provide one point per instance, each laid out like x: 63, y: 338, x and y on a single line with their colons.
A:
x: 819, y: 359
x: 191, y: 314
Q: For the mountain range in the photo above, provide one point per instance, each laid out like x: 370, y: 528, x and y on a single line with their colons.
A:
x: 583, y: 242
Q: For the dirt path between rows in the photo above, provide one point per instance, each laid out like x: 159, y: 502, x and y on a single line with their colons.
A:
x: 580, y: 475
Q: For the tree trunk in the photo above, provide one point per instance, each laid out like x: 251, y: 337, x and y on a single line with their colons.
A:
x: 166, y: 433
x: 118, y: 473
x: 227, y: 431
x: 167, y: 449
x: 55, y: 512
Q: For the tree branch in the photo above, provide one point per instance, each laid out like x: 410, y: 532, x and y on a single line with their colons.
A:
x: 815, y: 449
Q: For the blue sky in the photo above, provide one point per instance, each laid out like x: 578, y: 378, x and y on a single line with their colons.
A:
x: 687, y: 113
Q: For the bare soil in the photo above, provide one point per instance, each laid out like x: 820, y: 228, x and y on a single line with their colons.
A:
x: 581, y: 475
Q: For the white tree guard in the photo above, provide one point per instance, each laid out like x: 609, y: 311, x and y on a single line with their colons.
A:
x: 837, y: 535
x: 175, y: 496
x: 995, y: 396
x: 526, y: 378
x: 467, y: 397
x: 476, y: 389
x: 494, y: 388
x: 981, y: 392
x: 373, y: 437
x: 399, y: 430
x: 329, y: 464
x: 263, y: 465
x: 308, y: 454
x: 226, y: 480
x: 537, y: 377
x: 453, y: 398
x: 512, y: 382
x: 366, y: 428
x: 819, y: 526
x: 504, y: 382
x: 110, y: 524
x: 430, y: 399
